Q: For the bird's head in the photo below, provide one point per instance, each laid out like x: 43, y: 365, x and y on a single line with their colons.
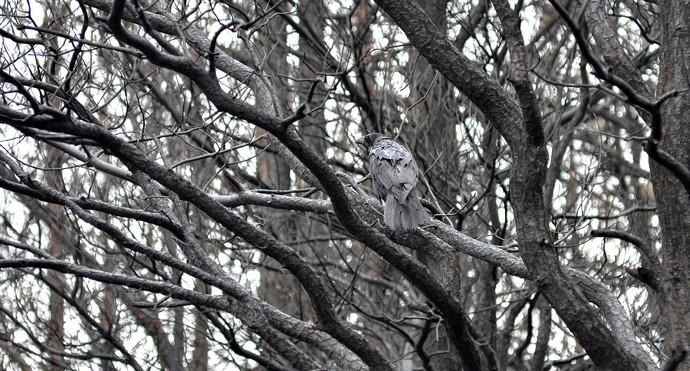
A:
x: 369, y: 139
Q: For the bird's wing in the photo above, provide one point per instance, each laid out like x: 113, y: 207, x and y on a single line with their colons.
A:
x: 393, y: 169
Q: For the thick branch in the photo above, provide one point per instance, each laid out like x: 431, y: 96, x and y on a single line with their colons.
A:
x: 273, y: 337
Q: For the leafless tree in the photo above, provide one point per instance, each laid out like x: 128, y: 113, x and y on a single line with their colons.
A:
x: 182, y: 188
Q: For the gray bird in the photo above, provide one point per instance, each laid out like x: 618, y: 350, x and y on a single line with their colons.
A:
x: 394, y: 178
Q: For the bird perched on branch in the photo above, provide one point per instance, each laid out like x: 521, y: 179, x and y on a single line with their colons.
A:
x: 394, y: 178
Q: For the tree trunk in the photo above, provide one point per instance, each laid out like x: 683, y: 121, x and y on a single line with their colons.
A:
x: 56, y: 248
x: 673, y: 202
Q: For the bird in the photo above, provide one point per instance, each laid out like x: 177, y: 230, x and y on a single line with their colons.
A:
x: 393, y: 173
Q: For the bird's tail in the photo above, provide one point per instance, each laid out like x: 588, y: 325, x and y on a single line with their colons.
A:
x: 405, y: 215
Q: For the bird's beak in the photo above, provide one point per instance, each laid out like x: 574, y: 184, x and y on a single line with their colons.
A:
x: 360, y: 141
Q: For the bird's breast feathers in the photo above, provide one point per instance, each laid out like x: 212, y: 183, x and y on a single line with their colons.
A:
x: 393, y: 169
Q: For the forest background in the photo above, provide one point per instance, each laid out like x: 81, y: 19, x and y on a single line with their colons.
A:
x: 182, y: 189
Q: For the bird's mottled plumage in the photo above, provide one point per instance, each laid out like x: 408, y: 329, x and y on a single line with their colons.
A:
x: 394, y: 178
